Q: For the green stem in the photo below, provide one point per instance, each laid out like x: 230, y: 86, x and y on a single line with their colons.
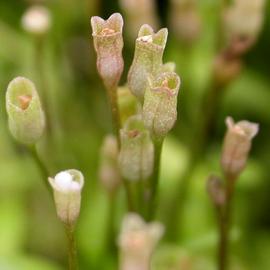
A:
x: 204, y: 127
x: 177, y: 203
x: 224, y: 226
x: 42, y: 82
x: 112, y: 97
x: 72, y: 251
x: 111, y: 222
x: 131, y: 200
x: 154, y: 180
x: 42, y: 168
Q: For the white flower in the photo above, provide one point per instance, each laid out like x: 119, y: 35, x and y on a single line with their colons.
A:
x: 67, y: 186
x: 36, y: 20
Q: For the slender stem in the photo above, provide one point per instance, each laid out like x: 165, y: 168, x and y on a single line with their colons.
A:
x: 203, y: 128
x: 224, y: 226
x: 42, y: 82
x: 72, y: 251
x: 129, y: 194
x: 42, y: 168
x: 111, y: 222
x: 154, y: 180
x: 177, y: 204
x: 112, y: 97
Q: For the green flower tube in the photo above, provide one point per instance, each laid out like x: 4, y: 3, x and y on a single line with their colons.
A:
x: 147, y: 58
x: 25, y: 114
x: 160, y: 104
x: 136, y: 155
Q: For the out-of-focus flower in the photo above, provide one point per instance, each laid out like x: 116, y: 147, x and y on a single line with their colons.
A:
x: 108, y: 171
x: 108, y: 43
x: 139, y: 12
x: 160, y: 103
x: 37, y: 20
x: 236, y: 147
x: 185, y: 20
x: 216, y: 190
x: 67, y: 186
x: 225, y: 70
x: 25, y: 115
x: 137, y: 242
x: 244, y: 18
x: 147, y: 58
x: 136, y: 155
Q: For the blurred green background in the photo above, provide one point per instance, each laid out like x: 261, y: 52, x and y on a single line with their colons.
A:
x: 31, y: 237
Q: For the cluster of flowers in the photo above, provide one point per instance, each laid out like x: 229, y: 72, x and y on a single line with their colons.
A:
x: 144, y: 111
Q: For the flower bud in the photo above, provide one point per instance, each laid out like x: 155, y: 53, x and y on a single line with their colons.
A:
x: 136, y: 155
x: 108, y: 43
x: 25, y: 115
x: 108, y: 171
x: 137, y: 242
x: 147, y: 58
x: 160, y: 103
x: 226, y: 70
x: 128, y: 104
x: 216, y: 190
x: 244, y: 18
x: 136, y: 16
x: 236, y: 146
x: 67, y: 186
x: 36, y: 20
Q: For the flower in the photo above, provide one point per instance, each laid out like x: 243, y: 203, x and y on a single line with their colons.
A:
x: 147, y: 58
x: 108, y: 43
x: 185, y: 20
x: 137, y: 241
x: 108, y: 172
x: 244, y: 18
x: 160, y: 103
x: 236, y: 146
x: 136, y: 16
x: 36, y: 20
x: 136, y: 155
x: 67, y: 186
x: 25, y: 115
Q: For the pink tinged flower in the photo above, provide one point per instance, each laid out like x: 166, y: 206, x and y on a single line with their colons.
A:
x: 244, y: 18
x: 237, y: 144
x: 108, y: 43
x: 137, y: 242
x: 147, y: 58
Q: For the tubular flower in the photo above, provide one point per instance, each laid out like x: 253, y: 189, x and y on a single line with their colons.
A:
x: 25, y: 115
x: 160, y: 103
x: 108, y: 43
x: 67, y: 186
x: 136, y: 155
x: 147, y: 58
x: 236, y: 146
